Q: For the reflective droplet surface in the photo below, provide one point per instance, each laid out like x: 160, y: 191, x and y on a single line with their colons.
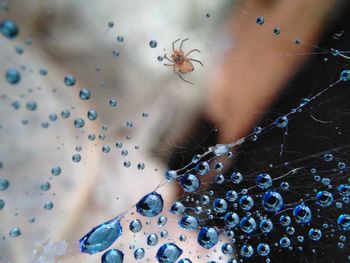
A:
x: 302, y: 214
x: 101, y: 237
x: 272, y: 201
x: 168, y: 253
x: 13, y: 76
x: 150, y: 205
x: 208, y: 237
x: 9, y: 29
x: 112, y: 256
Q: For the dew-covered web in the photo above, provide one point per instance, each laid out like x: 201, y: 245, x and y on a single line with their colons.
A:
x: 278, y: 194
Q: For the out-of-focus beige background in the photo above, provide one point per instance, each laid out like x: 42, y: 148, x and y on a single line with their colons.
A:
x: 70, y: 37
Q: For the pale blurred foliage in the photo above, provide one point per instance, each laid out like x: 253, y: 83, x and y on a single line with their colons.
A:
x: 70, y: 37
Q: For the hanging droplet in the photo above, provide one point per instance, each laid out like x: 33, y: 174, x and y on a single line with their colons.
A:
x: 112, y: 256
x: 13, y: 76
x: 9, y: 29
x: 168, y: 253
x: 150, y: 205
x: 208, y: 237
x: 101, y: 237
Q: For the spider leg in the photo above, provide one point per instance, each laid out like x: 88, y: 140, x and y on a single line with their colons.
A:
x: 182, y: 42
x: 169, y: 65
x: 189, y: 52
x: 173, y: 44
x: 195, y: 60
x: 184, y: 79
x: 167, y: 58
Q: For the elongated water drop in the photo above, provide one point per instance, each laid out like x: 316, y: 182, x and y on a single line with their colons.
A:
x: 101, y: 237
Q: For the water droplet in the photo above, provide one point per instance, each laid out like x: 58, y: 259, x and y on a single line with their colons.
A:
x: 208, y: 237
x: 168, y: 253
x: 9, y: 29
x: 48, y: 205
x: 4, y: 184
x: 101, y: 237
x: 85, y: 94
x: 69, y: 80
x: 56, y: 170
x: 189, y: 222
x: 112, y: 256
x: 190, y: 183
x: 152, y: 240
x: 302, y: 214
x: 150, y: 205
x: 260, y: 20
x: 13, y: 76
x: 272, y: 201
x: 135, y: 226
x: 139, y: 253
x: 153, y: 43
x: 92, y: 115
x: 15, y: 232
x: 79, y: 123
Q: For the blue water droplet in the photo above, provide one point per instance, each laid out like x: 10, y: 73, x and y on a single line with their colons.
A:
x: 177, y: 208
x: 202, y: 168
x: 263, y: 249
x: 135, y: 226
x: 302, y: 214
x: 76, y: 157
x: 185, y: 260
x: 168, y: 253
x: 260, y: 20
x: 247, y: 251
x: 266, y: 225
x: 15, y: 232
x: 150, y: 205
x: 344, y: 222
x: 220, y: 205
x: 48, y: 205
x: 84, y: 94
x: 170, y: 175
x: 69, y: 80
x: 120, y: 38
x: 2, y: 204
x: 189, y: 222
x: 345, y: 75
x: 344, y: 189
x: 281, y: 122
x: 9, y: 29
x: 112, y: 256
x: 231, y: 219
x: 284, y: 242
x: 92, y: 115
x: 4, y: 184
x: 56, y: 170
x: 101, y: 237
x: 324, y: 198
x: 31, y: 105
x: 272, y: 201
x: 152, y: 240
x: 246, y: 202
x: 113, y: 102
x: 208, y: 237
x: 190, y: 183
x: 264, y: 181
x: 248, y: 224
x: 12, y: 76
x: 79, y: 123
x: 139, y: 253
x: 277, y: 31
x: 45, y: 186
x: 236, y: 177
x: 153, y: 43
x: 315, y: 234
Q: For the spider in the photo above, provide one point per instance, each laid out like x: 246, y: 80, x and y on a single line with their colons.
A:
x: 181, y: 63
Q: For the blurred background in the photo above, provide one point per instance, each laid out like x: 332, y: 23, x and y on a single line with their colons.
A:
x: 246, y: 68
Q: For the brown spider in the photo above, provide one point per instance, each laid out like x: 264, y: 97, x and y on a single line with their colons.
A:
x: 182, y: 64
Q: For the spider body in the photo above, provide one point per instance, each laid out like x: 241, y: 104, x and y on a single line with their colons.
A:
x: 181, y: 63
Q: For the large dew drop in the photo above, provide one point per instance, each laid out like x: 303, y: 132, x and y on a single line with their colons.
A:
x: 168, y: 253
x: 101, y: 237
x: 113, y: 256
x: 150, y: 205
x: 208, y: 237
